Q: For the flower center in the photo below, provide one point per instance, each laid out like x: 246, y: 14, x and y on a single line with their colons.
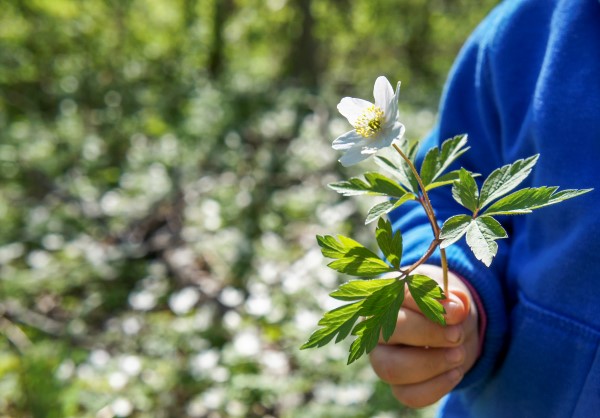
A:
x: 369, y: 122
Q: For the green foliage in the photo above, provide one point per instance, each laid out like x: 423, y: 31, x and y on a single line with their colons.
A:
x: 41, y: 389
x: 465, y: 190
x: 483, y: 231
x: 387, y: 206
x: 359, y: 289
x: 401, y: 170
x: 427, y: 295
x: 438, y: 160
x: 376, y: 184
x: 336, y: 322
x: 389, y: 242
x: 352, y: 257
x: 482, y: 235
x: 504, y: 179
x: 525, y: 200
x: 381, y: 312
x: 453, y: 229
x: 379, y: 302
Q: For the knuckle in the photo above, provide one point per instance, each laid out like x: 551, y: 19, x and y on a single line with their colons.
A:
x: 381, y: 365
x: 432, y: 364
x: 413, y: 400
x: 387, y: 372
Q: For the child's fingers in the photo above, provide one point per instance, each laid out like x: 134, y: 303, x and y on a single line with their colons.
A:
x: 422, y: 360
x: 401, y: 365
x: 458, y: 292
x: 426, y: 393
x: 457, y: 306
x: 413, y: 329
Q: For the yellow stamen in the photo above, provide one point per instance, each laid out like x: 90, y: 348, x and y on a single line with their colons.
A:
x: 369, y: 122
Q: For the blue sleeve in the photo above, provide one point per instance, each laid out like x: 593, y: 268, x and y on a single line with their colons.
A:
x: 468, y: 106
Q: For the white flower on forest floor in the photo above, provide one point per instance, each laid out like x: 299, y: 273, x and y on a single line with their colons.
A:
x: 376, y: 126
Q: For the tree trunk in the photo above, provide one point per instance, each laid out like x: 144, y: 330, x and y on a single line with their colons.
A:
x: 222, y: 10
x: 302, y: 62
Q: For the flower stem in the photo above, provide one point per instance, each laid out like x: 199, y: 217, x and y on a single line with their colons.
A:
x: 444, y: 270
x: 426, y: 203
x: 423, y: 258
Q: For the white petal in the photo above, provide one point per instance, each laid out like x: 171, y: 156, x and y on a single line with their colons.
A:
x: 383, y: 93
x: 351, y: 108
x: 353, y: 156
x: 386, y: 138
x: 391, y: 113
x: 398, y: 130
x: 348, y: 140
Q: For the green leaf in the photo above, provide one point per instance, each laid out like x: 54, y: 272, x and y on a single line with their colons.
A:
x: 381, y: 312
x: 338, y: 321
x: 389, y: 166
x: 387, y: 206
x: 448, y: 179
x: 504, y: 179
x: 427, y: 295
x: 380, y: 302
x: 445, y: 180
x: 525, y: 200
x: 437, y: 161
x: 375, y: 184
x: 379, y: 209
x: 352, y: 257
x: 451, y: 149
x: 360, y: 266
x: 430, y: 165
x: 465, y: 191
x: 408, y: 173
x: 352, y: 187
x: 453, y: 229
x: 346, y: 246
x: 384, y: 304
x: 389, y: 243
x: 401, y: 170
x: 384, y: 185
x: 334, y: 249
x: 482, y: 234
x: 359, y: 289
x: 367, y: 335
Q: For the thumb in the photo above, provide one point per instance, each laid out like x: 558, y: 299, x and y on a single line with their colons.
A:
x: 457, y: 306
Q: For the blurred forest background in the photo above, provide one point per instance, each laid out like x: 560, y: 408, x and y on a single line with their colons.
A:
x: 162, y: 177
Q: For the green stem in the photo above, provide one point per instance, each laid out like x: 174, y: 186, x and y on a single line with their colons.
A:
x: 444, y: 270
x: 426, y: 203
x: 423, y: 259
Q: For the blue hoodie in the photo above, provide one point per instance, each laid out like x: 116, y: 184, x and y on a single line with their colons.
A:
x: 528, y: 81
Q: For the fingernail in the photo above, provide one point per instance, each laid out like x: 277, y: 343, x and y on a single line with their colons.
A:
x: 452, y: 306
x: 454, y: 375
x: 454, y: 355
x: 453, y: 333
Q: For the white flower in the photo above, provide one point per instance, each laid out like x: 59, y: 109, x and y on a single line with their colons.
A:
x: 376, y: 126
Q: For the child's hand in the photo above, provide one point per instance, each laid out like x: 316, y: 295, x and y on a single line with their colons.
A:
x: 423, y: 361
